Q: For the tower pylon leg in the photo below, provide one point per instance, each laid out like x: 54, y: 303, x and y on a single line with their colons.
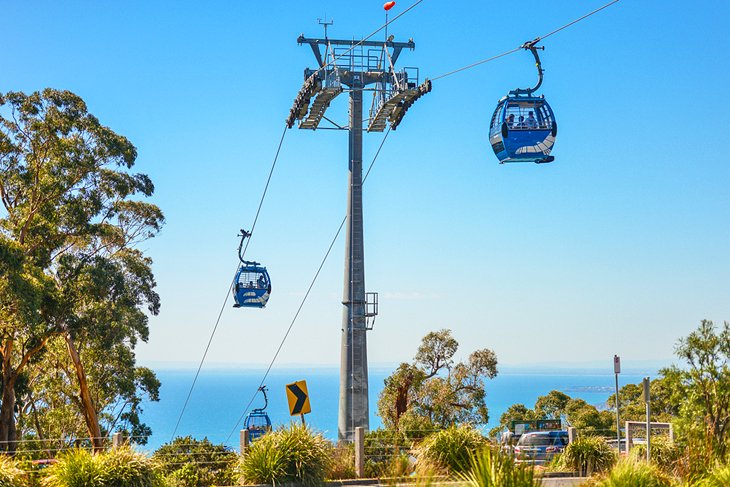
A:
x: 354, y: 409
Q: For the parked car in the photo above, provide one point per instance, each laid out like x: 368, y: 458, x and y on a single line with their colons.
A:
x: 541, y: 446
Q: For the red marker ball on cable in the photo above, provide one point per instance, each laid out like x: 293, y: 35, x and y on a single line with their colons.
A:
x: 389, y: 5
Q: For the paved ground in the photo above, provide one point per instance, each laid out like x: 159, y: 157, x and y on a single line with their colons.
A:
x: 552, y: 482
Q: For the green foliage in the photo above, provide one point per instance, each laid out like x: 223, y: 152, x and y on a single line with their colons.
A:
x: 189, y: 462
x: 293, y: 454
x: 663, y: 453
x: 124, y: 467
x: 554, y: 405
x: 666, y: 396
x: 516, y: 412
x: 342, y: 465
x: 587, y: 419
x: 587, y: 455
x: 75, y: 468
x: 384, y: 449
x: 263, y: 462
x: 695, y: 459
x: 11, y: 473
x: 693, y: 397
x: 69, y: 228
x: 449, y: 450
x: 717, y: 477
x: 494, y: 468
x: 434, y: 389
x: 116, y: 468
x: 395, y: 466
x: 704, y: 408
x: 633, y: 473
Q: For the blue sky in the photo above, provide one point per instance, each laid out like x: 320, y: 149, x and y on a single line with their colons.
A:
x: 618, y: 247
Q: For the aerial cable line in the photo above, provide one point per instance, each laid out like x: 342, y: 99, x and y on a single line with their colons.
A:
x: 536, y: 40
x: 578, y: 20
x: 334, y: 59
x: 304, y: 299
x: 230, y: 287
x: 464, y: 68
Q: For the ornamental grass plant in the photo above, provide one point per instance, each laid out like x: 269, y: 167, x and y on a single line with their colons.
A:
x: 588, y: 455
x: 342, y: 465
x: 633, y: 473
x: 11, y: 474
x: 663, y: 453
x: 121, y: 467
x: 494, y: 468
x: 124, y: 467
x: 717, y: 477
x: 449, y: 451
x: 75, y: 468
x: 293, y: 454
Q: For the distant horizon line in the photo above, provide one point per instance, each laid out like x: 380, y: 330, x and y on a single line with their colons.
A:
x: 631, y: 367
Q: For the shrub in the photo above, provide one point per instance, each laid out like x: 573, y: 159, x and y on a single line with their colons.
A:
x: 494, y: 468
x: 588, y: 455
x: 695, y: 459
x: 450, y: 450
x: 122, y: 467
x: 342, y: 465
x: 633, y: 473
x: 386, y: 453
x: 75, y: 468
x: 11, y: 475
x: 395, y: 466
x: 293, y: 454
x: 663, y: 453
x: 718, y: 477
x: 187, y: 462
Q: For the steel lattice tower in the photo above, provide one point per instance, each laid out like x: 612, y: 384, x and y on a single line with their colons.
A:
x: 356, y: 67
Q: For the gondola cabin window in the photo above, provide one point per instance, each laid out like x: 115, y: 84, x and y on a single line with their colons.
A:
x: 528, y: 115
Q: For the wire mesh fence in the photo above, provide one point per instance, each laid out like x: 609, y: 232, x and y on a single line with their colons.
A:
x: 386, y: 453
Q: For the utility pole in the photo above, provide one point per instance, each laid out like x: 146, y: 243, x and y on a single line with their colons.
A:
x: 356, y: 67
x: 617, y: 371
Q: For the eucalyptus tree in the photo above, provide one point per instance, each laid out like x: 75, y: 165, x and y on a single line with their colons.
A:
x: 69, y: 234
x: 434, y: 390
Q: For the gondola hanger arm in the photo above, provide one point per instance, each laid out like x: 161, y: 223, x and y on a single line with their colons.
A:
x: 532, y: 47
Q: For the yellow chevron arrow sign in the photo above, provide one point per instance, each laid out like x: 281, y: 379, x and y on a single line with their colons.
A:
x: 298, y: 397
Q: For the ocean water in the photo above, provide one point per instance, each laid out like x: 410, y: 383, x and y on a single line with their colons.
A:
x: 216, y: 406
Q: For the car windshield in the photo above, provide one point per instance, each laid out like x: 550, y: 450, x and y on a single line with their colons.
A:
x: 536, y: 440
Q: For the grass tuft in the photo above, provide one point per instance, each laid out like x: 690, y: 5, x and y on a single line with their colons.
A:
x: 449, y: 451
x: 494, y: 468
x: 293, y: 454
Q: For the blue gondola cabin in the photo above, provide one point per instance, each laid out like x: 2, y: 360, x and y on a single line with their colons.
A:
x: 523, y: 129
x: 251, y: 286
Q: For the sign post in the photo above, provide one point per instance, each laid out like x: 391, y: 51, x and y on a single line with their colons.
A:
x: 617, y: 371
x: 647, y: 400
x: 298, y: 398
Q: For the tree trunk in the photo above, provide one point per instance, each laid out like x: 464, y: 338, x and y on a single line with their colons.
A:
x: 92, y: 421
x: 8, y: 433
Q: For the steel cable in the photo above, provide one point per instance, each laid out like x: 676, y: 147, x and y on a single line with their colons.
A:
x: 537, y: 39
x: 304, y: 299
x: 230, y: 287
